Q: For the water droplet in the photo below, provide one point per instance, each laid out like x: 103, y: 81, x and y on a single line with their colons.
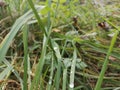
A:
x: 13, y: 70
x: 30, y: 72
x: 50, y: 82
x: 55, y: 48
x: 71, y: 85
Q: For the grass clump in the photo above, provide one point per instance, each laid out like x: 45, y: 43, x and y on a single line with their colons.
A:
x: 59, y: 45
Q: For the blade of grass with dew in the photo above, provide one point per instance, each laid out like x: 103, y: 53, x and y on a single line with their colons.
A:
x: 58, y: 74
x: 38, y: 73
x: 64, y: 79
x: 25, y: 43
x: 51, y: 75
x: 59, y: 58
x: 15, y: 28
x: 104, y: 67
x: 15, y: 72
x: 72, y: 71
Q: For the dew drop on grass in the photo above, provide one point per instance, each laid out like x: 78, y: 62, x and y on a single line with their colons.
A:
x: 55, y: 48
x: 13, y: 70
x: 50, y: 82
x: 71, y: 85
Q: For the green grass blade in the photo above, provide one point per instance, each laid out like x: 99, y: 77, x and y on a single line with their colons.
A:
x: 59, y: 58
x: 16, y: 27
x: 37, y: 17
x: 104, y: 67
x: 14, y: 71
x: 43, y: 53
x: 72, y: 71
x: 5, y: 72
x: 38, y: 73
x: 64, y: 79
x: 58, y: 74
x: 19, y: 78
x: 51, y: 75
x: 25, y: 43
x: 29, y: 72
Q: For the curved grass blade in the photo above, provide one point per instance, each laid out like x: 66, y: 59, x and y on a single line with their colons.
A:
x: 16, y: 27
x: 104, y: 67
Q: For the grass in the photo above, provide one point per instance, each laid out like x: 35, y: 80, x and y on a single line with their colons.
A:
x: 25, y: 41
x: 58, y: 45
x: 104, y: 67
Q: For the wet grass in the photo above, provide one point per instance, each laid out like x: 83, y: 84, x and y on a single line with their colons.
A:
x: 59, y: 45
